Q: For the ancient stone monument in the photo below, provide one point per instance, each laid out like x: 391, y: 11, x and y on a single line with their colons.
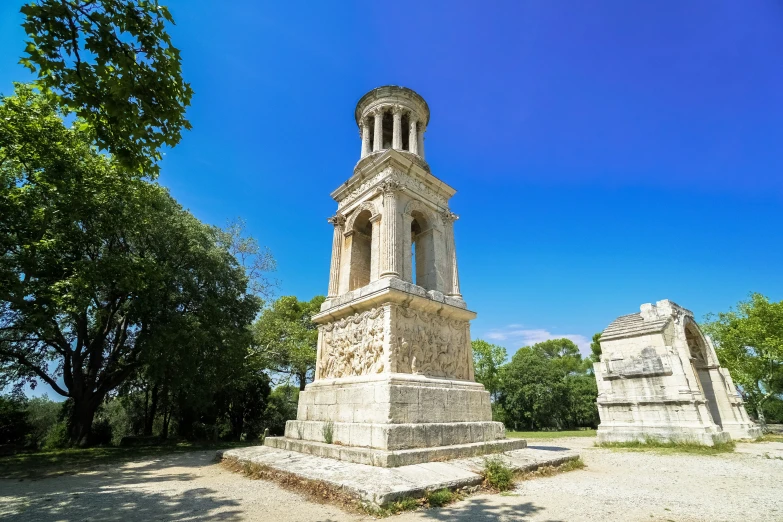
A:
x: 394, y: 378
x: 659, y: 377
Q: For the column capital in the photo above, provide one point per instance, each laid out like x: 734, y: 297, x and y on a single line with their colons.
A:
x: 390, y: 187
x: 338, y: 220
x: 449, y: 216
x: 397, y: 109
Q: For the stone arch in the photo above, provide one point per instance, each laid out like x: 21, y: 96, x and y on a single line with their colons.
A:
x: 701, y: 362
x: 697, y: 344
x: 350, y: 222
x: 421, y: 224
x: 359, y: 232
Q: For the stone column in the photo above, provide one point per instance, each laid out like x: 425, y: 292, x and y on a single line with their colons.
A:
x: 390, y: 230
x: 420, y: 143
x: 378, y: 138
x: 365, y: 125
x: 407, y: 249
x: 413, y: 139
x: 337, y: 247
x: 397, y: 133
x: 452, y: 275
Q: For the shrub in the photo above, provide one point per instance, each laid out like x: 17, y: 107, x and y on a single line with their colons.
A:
x: 497, y: 475
x: 115, y: 412
x: 42, y: 414
x: 439, y: 497
x: 57, y: 437
x: 328, y: 431
x: 14, y: 427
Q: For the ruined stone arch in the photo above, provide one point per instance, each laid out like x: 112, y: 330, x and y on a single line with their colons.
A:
x: 697, y: 344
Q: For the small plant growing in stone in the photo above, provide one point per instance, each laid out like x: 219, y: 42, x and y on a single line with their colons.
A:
x: 328, y: 431
x: 439, y: 497
x: 497, y: 475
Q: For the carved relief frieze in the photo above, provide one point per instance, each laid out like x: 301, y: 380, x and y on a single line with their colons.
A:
x: 403, y: 180
x: 430, y: 345
x: 352, y: 346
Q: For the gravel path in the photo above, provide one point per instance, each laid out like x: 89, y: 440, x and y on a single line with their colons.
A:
x: 616, y: 485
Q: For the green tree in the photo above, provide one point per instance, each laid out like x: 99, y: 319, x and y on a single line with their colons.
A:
x: 547, y: 385
x: 112, y: 63
x: 749, y: 343
x: 243, y: 402
x: 281, y: 407
x: 487, y: 360
x: 595, y: 347
x: 100, y: 269
x: 285, y: 338
x: 563, y: 353
x: 532, y: 390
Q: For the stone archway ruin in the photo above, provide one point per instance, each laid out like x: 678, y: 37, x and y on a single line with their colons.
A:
x: 659, y: 377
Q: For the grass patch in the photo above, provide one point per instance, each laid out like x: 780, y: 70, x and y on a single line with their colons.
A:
x: 394, y: 508
x: 497, y: 475
x: 549, y: 434
x: 42, y: 464
x: 328, y: 432
x: 548, y: 471
x: 653, y: 444
x: 770, y: 437
x: 440, y: 497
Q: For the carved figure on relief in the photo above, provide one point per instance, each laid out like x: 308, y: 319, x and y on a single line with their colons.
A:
x: 430, y: 345
x: 353, y: 346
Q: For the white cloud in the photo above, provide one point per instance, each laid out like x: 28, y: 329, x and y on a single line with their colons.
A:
x: 514, y: 337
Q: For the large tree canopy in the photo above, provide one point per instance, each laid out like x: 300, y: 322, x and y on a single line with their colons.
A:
x: 749, y: 343
x: 112, y: 63
x: 99, y: 269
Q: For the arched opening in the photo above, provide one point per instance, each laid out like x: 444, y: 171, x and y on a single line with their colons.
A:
x: 370, y: 123
x: 405, y: 129
x: 388, y: 130
x: 698, y: 352
x: 361, y: 251
x: 422, y: 252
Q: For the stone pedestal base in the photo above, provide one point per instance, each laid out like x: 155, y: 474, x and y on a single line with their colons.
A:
x: 740, y: 431
x: 696, y: 435
x: 393, y: 420
x: 393, y: 399
x: 395, y: 436
x: 396, y: 458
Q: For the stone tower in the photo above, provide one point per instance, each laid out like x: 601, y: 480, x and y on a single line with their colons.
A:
x: 394, y: 380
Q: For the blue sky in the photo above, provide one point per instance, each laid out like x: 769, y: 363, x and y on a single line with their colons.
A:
x: 606, y: 154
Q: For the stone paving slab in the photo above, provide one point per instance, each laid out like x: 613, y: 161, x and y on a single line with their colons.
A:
x: 380, y: 486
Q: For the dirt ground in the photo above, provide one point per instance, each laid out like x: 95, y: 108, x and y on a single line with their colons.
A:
x: 615, y: 485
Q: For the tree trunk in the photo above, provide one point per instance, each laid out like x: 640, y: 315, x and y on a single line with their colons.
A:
x: 164, y: 434
x: 80, y: 420
x: 302, y: 381
x: 760, y: 414
x: 150, y: 418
